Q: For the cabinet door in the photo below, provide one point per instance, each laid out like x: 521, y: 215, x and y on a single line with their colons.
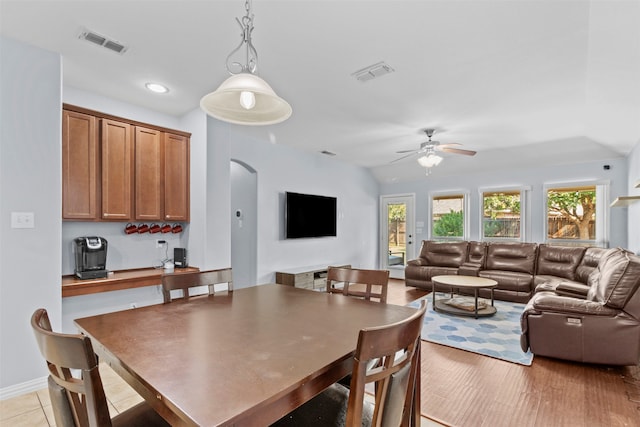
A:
x: 148, y: 174
x: 80, y: 167
x: 117, y: 164
x: 176, y: 177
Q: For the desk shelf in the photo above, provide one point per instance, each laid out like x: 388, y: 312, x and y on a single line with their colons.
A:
x: 119, y: 280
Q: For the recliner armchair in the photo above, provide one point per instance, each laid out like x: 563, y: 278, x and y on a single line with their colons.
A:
x: 604, y: 328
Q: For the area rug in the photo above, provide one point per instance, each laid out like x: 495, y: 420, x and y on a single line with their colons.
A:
x: 495, y: 336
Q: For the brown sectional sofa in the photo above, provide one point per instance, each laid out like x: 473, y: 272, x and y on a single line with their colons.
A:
x: 517, y: 267
x: 583, y: 304
x: 602, y: 326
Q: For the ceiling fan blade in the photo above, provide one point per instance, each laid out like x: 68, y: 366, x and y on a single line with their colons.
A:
x: 449, y: 144
x: 456, y: 151
x: 407, y: 151
x: 413, y: 153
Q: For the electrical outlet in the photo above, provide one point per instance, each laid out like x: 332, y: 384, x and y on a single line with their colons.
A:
x: 160, y: 243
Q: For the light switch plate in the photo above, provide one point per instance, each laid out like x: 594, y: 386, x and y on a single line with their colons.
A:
x: 23, y: 220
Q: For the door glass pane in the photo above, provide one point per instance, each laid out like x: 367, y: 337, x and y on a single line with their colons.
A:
x: 501, y: 215
x: 448, y: 217
x: 397, y: 220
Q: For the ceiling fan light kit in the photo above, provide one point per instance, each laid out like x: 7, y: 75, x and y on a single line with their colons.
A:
x: 430, y: 160
x: 244, y: 98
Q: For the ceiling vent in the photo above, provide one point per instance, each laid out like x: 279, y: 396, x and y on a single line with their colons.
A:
x: 103, y: 41
x: 372, y: 71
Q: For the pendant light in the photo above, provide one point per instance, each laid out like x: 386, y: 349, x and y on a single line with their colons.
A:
x: 244, y: 98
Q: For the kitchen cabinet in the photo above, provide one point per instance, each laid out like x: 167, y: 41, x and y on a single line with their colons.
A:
x: 148, y: 174
x: 161, y: 176
x: 115, y: 169
x: 176, y: 177
x: 80, y: 167
x: 117, y: 166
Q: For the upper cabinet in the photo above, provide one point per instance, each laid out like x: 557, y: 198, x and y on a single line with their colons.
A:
x: 117, y: 157
x: 149, y: 177
x: 176, y: 177
x: 80, y: 189
x: 120, y: 170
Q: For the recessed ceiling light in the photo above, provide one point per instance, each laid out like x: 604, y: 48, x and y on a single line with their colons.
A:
x: 156, y: 87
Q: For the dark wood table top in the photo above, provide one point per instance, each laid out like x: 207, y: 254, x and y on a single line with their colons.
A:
x: 246, y: 358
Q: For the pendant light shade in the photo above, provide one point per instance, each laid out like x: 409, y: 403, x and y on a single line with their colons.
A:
x: 246, y: 99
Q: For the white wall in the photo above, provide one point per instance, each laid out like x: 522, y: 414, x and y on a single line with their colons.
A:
x: 633, y: 211
x: 535, y: 178
x: 30, y: 181
x: 280, y: 169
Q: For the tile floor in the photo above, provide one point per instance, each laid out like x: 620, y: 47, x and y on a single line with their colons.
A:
x: 34, y: 409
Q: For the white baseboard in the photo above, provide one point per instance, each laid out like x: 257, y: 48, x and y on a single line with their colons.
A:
x: 23, y: 388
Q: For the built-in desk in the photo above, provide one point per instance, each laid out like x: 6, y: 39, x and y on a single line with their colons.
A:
x: 117, y: 281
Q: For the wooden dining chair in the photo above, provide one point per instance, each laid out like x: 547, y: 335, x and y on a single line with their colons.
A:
x: 375, y: 283
x: 78, y: 400
x: 396, y: 348
x: 186, y: 281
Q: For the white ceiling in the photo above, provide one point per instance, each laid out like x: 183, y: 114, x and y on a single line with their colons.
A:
x: 521, y: 82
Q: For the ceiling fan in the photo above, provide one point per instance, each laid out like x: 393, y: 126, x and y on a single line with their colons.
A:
x: 429, y: 148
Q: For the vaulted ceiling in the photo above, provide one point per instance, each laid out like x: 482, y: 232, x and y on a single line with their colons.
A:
x: 521, y: 82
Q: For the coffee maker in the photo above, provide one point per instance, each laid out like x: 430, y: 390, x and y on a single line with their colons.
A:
x: 91, y: 257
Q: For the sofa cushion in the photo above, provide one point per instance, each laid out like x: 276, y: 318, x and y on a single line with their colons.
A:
x: 425, y: 273
x: 518, y: 257
x: 560, y: 286
x: 589, y: 263
x: 559, y: 261
x: 616, y: 279
x: 510, y: 280
x: 444, y: 254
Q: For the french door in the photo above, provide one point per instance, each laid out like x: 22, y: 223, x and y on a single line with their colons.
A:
x: 396, y: 233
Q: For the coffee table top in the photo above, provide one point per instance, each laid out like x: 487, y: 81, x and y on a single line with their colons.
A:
x: 465, y: 281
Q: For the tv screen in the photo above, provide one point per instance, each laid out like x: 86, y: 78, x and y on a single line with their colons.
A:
x: 308, y: 215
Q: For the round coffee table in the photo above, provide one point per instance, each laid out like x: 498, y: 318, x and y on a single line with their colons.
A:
x: 463, y: 282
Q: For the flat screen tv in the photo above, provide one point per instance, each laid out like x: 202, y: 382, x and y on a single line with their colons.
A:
x: 308, y: 215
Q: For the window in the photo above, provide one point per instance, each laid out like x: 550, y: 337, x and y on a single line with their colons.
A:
x: 575, y: 214
x: 448, y: 217
x: 502, y: 217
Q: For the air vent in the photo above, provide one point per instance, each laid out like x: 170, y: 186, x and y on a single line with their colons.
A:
x: 327, y: 153
x: 101, y: 40
x: 372, y: 72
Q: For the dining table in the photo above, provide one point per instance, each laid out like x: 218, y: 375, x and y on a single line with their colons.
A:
x: 241, y: 358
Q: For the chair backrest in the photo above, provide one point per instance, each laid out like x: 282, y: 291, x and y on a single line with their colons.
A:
x: 396, y: 350
x: 78, y: 397
x: 375, y: 282
x: 185, y: 281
